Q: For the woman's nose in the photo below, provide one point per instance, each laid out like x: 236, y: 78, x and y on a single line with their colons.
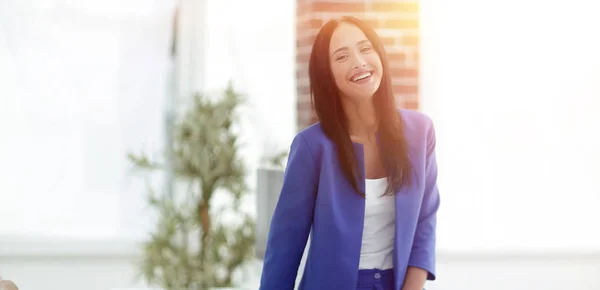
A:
x: 359, y: 62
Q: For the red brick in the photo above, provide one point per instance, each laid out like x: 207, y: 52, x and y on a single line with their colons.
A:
x: 304, y: 98
x: 302, y: 58
x: 304, y: 105
x: 411, y: 105
x: 402, y: 23
x: 374, y: 23
x: 303, y: 7
x: 403, y: 7
x: 303, y: 90
x: 410, y: 40
x: 404, y: 72
x: 396, y: 56
x: 305, y: 113
x: 312, y: 23
x: 397, y: 64
x: 301, y: 73
x: 405, y: 89
x: 305, y: 41
x: 338, y: 7
x: 388, y: 41
x: 316, y: 23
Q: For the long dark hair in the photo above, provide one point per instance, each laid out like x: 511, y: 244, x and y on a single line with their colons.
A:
x: 327, y: 104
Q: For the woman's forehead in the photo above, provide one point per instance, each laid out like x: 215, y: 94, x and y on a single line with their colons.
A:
x: 346, y: 35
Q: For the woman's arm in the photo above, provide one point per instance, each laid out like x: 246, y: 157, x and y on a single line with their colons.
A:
x: 292, y: 219
x: 423, y: 250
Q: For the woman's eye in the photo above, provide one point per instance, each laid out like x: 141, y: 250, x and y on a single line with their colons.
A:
x: 341, y: 57
x: 366, y: 49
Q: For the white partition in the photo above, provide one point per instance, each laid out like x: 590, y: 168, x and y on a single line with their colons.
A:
x: 268, y: 189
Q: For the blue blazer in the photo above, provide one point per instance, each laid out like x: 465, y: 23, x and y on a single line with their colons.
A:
x: 316, y: 195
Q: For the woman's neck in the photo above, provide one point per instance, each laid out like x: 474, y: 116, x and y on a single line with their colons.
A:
x: 362, y: 119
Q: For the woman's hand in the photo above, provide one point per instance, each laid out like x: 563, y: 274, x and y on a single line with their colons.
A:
x: 415, y: 279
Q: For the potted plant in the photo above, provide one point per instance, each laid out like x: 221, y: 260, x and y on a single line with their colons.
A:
x: 193, y: 245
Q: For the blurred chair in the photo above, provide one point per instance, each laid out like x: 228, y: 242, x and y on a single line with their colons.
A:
x: 269, y: 185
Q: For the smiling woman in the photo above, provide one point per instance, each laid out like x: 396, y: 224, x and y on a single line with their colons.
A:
x: 352, y: 94
x: 350, y: 180
x: 355, y: 66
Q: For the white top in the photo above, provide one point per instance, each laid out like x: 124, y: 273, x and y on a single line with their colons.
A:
x: 378, y: 231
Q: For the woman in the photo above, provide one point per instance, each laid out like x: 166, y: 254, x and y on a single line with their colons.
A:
x: 363, y: 178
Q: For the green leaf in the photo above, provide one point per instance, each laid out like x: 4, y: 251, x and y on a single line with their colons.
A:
x: 205, y: 155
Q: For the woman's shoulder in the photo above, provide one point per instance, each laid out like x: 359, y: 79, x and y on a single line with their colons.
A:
x: 417, y: 126
x: 416, y: 123
x: 312, y: 135
x: 312, y: 138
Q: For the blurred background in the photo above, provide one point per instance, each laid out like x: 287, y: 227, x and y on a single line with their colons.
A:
x: 91, y: 91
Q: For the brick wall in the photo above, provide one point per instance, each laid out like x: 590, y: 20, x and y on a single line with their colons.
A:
x: 396, y: 22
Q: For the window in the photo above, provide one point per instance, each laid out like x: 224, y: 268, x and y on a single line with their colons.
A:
x: 81, y: 93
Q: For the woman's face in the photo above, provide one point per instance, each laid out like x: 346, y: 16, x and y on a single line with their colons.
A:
x: 355, y: 65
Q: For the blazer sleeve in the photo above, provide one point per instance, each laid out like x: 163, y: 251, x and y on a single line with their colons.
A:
x: 423, y: 249
x: 292, y: 219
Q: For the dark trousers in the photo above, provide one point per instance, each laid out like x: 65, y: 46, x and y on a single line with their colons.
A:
x: 375, y: 279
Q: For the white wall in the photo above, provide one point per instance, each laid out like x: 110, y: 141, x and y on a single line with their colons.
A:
x: 254, y: 47
x: 84, y: 83
x: 43, y: 263
x: 74, y: 264
x: 514, y: 87
x: 517, y: 270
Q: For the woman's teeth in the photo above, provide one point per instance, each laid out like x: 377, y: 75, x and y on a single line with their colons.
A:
x: 361, y: 77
